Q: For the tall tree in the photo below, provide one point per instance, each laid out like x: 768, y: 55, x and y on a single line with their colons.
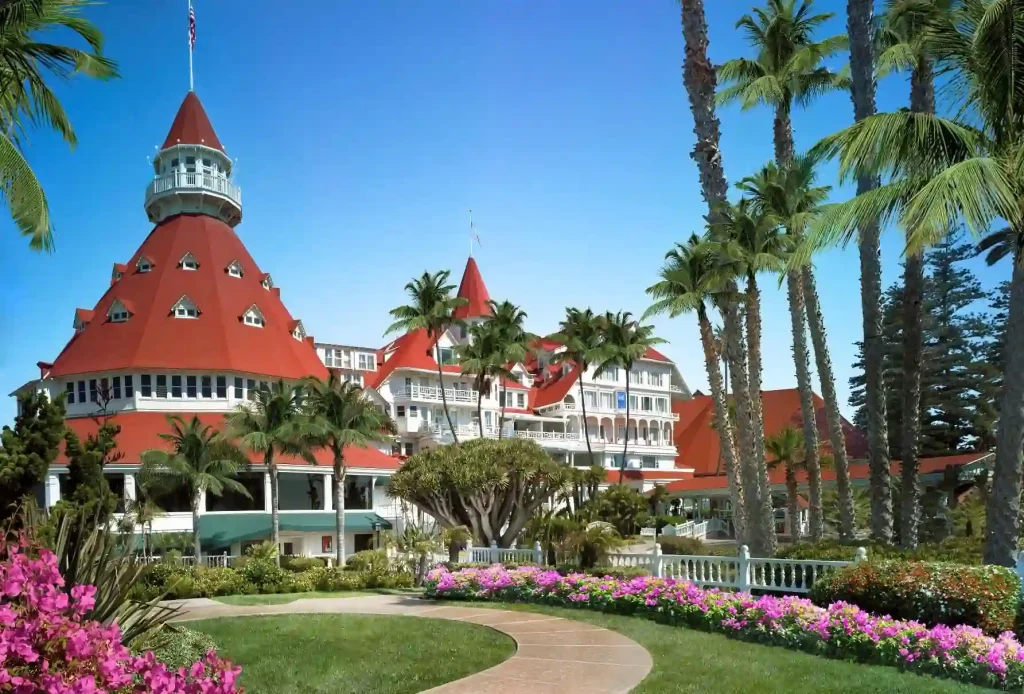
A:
x: 28, y: 449
x: 275, y: 423
x: 789, y: 195
x: 700, y: 82
x: 344, y: 418
x: 485, y: 357
x: 579, y: 335
x: 786, y: 449
x: 623, y: 342
x: 432, y: 309
x: 508, y: 322
x: 788, y: 69
x: 689, y: 282
x: 201, y: 461
x: 25, y: 64
x: 944, y: 171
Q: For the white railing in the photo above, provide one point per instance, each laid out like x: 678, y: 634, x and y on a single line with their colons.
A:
x: 548, y: 435
x: 698, y: 529
x: 465, y: 430
x: 675, y: 389
x: 740, y: 572
x: 505, y: 555
x: 434, y: 394
x: 194, y: 181
x: 210, y: 561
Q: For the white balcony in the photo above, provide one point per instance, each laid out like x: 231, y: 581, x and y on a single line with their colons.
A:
x: 433, y: 394
x: 549, y: 435
x: 464, y: 431
x: 180, y: 180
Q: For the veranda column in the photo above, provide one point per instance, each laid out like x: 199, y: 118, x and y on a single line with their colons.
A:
x: 129, y: 487
x: 329, y: 492
x: 52, y: 490
x: 266, y: 492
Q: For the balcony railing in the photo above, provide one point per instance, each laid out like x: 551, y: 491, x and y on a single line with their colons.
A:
x: 549, y: 435
x: 463, y: 430
x: 194, y: 181
x: 433, y: 394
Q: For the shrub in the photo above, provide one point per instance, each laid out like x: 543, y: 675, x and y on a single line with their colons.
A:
x: 300, y: 564
x: 265, y: 574
x: 369, y: 560
x: 208, y: 583
x: 960, y: 550
x: 986, y: 597
x: 175, y: 646
x: 682, y: 545
x: 620, y: 572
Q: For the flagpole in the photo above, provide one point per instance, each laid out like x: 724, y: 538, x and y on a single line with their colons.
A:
x: 471, y: 233
x: 191, y: 86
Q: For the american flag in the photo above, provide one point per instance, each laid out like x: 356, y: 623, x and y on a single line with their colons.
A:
x: 191, y: 27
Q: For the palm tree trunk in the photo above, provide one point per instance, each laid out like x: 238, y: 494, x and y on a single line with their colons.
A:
x: 338, y: 489
x: 625, y: 442
x: 754, y: 374
x: 837, y: 439
x: 723, y: 425
x: 922, y: 100
x: 793, y: 507
x: 1002, y: 519
x: 859, y: 29
x: 444, y: 398
x: 480, y: 408
x: 197, y: 549
x: 583, y: 406
x: 275, y: 501
x: 807, y: 410
x: 501, y: 416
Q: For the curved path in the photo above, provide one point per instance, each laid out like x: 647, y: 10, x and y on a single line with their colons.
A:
x: 553, y: 654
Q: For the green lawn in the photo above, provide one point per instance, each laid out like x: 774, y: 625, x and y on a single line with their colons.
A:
x: 353, y: 654
x: 283, y: 598
x: 694, y: 661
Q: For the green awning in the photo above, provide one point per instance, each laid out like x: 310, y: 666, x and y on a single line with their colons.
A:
x: 223, y: 529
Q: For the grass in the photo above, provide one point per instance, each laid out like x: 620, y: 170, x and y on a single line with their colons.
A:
x: 694, y: 661
x: 353, y: 654
x: 284, y: 598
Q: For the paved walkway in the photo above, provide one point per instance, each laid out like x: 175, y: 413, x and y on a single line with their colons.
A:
x: 553, y: 654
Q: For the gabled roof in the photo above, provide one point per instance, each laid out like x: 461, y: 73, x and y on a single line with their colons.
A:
x: 411, y: 351
x: 473, y: 289
x: 554, y: 390
x: 82, y: 317
x: 191, y: 126
x: 218, y: 342
x: 655, y: 355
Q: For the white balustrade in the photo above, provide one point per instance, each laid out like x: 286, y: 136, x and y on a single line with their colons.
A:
x: 505, y: 555
x: 180, y: 180
x: 548, y: 435
x: 433, y: 394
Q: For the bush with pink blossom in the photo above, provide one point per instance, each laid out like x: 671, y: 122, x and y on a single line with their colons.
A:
x: 840, y: 630
x: 47, y: 644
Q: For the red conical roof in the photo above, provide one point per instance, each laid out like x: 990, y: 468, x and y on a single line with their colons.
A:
x: 217, y: 340
x: 191, y: 126
x: 473, y: 290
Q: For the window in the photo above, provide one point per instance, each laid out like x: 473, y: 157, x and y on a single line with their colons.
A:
x: 190, y: 386
x: 250, y: 385
x: 117, y: 313
x: 617, y: 460
x: 636, y: 377
x: 520, y: 400
x: 648, y: 462
x: 185, y: 308
x: 93, y: 395
x: 267, y: 282
x: 632, y: 402
x: 206, y: 383
x: 253, y: 317
x: 238, y: 388
x: 129, y: 390
x: 413, y: 411
x: 610, y: 374
x: 207, y: 166
x: 368, y: 362
x: 501, y: 399
x: 646, y: 403
x: 161, y: 386
x: 235, y: 269
x: 69, y: 389
x: 116, y: 390
x: 144, y: 264
x: 175, y: 386
x: 147, y: 386
x: 661, y: 405
x: 81, y: 391
x: 591, y: 398
x: 447, y: 356
x: 174, y: 164
x: 222, y: 387
x: 188, y: 262
x: 190, y: 164
x: 400, y: 410
x: 408, y: 449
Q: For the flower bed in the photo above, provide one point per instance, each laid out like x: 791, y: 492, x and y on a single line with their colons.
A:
x: 47, y: 644
x: 841, y: 630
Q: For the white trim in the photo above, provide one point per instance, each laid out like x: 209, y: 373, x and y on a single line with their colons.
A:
x: 188, y: 260
x: 185, y: 308
x: 235, y: 269
x: 253, y: 317
x: 118, y: 312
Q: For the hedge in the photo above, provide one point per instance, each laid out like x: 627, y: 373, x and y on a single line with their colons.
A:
x: 987, y: 597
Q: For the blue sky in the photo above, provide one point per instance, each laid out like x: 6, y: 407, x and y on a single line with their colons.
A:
x: 364, y: 132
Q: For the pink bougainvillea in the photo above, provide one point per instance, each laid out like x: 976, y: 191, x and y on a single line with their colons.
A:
x: 47, y: 644
x: 841, y: 630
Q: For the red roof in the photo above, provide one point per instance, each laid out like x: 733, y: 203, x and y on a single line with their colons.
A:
x: 84, y: 315
x: 191, y: 126
x: 656, y: 355
x: 473, y: 289
x: 140, y: 432
x: 217, y: 340
x: 412, y: 351
x: 554, y: 390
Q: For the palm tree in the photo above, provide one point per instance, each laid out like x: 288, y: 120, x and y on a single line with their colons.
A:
x: 143, y: 510
x: 201, y: 460
x: 507, y: 320
x: 25, y: 62
x: 486, y: 358
x: 788, y: 69
x: 581, y: 339
x: 908, y: 29
x: 786, y: 448
x: 343, y: 418
x: 689, y: 283
x: 433, y: 310
x: 945, y: 171
x: 623, y: 342
x: 275, y: 423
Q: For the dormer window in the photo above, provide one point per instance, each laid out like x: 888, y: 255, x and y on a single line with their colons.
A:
x: 185, y: 308
x: 253, y: 317
x: 188, y: 262
x: 267, y: 282
x: 118, y: 312
x: 235, y: 269
x: 144, y: 264
x: 118, y: 276
x: 298, y: 332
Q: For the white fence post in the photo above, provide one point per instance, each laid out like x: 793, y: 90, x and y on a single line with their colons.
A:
x: 743, y: 569
x: 494, y: 552
x: 657, y: 562
x: 862, y: 555
x: 538, y: 554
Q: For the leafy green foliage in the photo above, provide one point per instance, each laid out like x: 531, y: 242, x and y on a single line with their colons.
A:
x: 987, y: 597
x: 88, y: 499
x: 301, y: 564
x: 27, y: 450
x: 175, y: 646
x: 960, y: 550
x: 621, y: 506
